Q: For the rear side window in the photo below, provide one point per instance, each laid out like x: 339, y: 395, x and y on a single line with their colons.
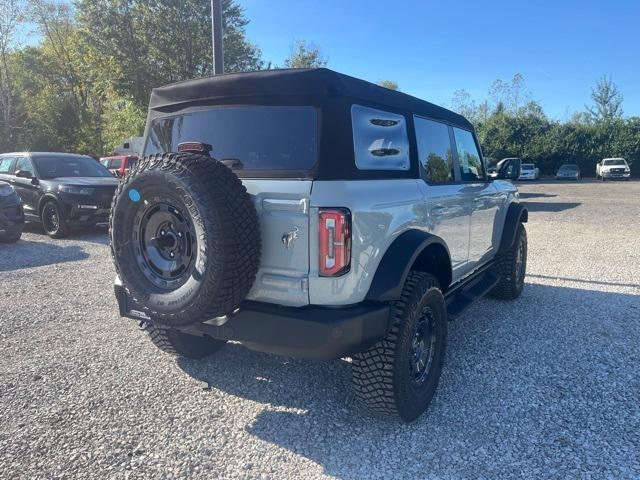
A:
x: 5, y: 164
x: 380, y: 140
x: 250, y: 138
x: 23, y: 164
x: 468, y: 156
x: 434, y: 150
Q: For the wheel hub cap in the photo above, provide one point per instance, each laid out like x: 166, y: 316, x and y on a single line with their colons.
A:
x: 423, y: 348
x: 167, y: 245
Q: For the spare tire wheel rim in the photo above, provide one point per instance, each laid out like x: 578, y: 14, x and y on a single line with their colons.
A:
x: 168, y: 244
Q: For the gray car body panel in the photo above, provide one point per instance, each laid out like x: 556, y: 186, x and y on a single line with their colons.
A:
x: 469, y: 217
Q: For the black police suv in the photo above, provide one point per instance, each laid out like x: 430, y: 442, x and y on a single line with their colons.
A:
x: 60, y: 190
x: 11, y: 214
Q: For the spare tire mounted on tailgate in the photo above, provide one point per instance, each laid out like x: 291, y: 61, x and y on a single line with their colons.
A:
x: 184, y: 237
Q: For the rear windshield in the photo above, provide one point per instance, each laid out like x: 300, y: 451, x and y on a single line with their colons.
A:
x: 569, y: 167
x: 69, y: 166
x: 250, y: 138
x: 615, y: 161
x: 527, y: 166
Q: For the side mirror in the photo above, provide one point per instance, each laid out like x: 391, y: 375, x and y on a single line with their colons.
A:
x: 509, y: 169
x: 24, y: 174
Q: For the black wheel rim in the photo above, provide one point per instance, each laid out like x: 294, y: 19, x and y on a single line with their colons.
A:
x: 51, y: 219
x: 520, y: 262
x: 167, y: 243
x: 423, y: 347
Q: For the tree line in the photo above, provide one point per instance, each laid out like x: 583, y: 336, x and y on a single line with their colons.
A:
x: 84, y: 85
x: 510, y: 124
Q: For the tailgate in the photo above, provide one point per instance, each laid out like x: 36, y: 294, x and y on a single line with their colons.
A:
x: 283, y: 213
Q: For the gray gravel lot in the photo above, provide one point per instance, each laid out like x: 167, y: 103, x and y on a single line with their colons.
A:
x: 547, y: 386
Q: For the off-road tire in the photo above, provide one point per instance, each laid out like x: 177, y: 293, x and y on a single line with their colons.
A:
x: 182, y: 344
x: 11, y: 236
x: 511, y: 284
x: 219, y: 211
x: 381, y: 375
x: 61, y: 229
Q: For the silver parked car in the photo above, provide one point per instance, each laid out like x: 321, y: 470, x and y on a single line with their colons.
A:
x: 568, y: 171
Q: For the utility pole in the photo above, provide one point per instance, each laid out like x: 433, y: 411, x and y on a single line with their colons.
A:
x: 216, y: 37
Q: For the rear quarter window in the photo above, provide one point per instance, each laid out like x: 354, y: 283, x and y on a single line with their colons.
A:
x: 5, y: 164
x: 251, y: 138
x: 380, y: 140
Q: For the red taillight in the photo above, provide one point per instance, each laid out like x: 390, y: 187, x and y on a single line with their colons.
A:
x: 335, y: 241
x: 194, y: 147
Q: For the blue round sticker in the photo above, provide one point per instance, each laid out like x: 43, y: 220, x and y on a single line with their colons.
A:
x: 134, y: 195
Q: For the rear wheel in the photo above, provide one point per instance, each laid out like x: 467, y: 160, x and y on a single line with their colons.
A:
x: 54, y: 220
x: 181, y: 344
x: 398, y: 376
x: 512, y: 268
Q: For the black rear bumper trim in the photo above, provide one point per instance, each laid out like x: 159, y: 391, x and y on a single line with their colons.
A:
x: 311, y: 332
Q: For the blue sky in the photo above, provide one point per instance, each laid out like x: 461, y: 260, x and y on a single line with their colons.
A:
x: 434, y: 48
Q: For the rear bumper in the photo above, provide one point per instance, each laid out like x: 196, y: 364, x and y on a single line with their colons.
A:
x: 311, y: 332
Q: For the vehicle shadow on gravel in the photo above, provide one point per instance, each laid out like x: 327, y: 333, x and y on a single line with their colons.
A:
x: 98, y: 234
x: 522, y: 381
x: 28, y: 254
x: 550, y: 206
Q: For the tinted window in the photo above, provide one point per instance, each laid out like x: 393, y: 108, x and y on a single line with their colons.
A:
x: 468, y: 156
x: 5, y: 164
x: 23, y: 164
x: 434, y: 150
x: 116, y: 163
x: 52, y: 166
x: 249, y: 137
x: 380, y: 140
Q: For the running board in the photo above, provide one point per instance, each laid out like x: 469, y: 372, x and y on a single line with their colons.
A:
x: 461, y: 297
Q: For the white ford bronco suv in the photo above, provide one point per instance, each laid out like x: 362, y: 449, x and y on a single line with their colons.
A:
x: 314, y: 215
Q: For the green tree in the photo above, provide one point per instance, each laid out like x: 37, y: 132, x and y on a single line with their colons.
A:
x: 11, y: 13
x: 305, y: 55
x: 512, y: 95
x: 390, y: 84
x: 152, y: 43
x: 607, y: 101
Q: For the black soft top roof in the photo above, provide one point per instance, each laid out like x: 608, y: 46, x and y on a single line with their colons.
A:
x: 320, y: 84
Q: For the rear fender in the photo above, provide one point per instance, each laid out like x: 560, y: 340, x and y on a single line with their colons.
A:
x: 413, y: 249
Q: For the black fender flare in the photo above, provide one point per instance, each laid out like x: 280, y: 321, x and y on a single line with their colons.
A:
x: 397, y: 261
x: 47, y: 197
x: 516, y: 214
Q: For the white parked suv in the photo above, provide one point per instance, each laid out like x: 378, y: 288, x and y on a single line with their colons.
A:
x: 314, y: 215
x: 613, y: 168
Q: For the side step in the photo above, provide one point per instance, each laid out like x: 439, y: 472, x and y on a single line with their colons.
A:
x: 462, y: 296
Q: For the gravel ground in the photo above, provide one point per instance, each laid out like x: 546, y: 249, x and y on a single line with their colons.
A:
x: 547, y: 386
